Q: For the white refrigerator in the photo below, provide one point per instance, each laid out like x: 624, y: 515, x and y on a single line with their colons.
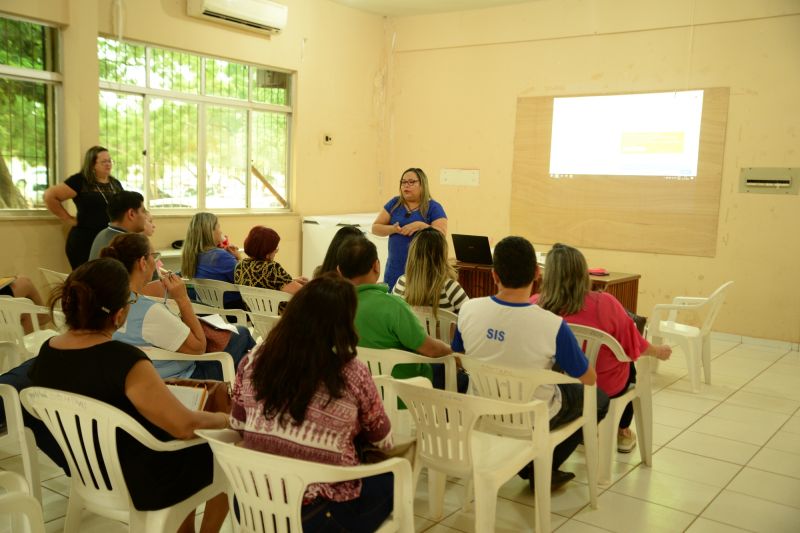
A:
x: 319, y: 230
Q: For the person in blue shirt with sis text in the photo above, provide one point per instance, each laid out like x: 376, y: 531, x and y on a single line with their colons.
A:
x: 507, y: 330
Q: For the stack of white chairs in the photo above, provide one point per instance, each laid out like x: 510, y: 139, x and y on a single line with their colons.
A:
x: 86, y: 431
x: 640, y: 393
x: 694, y: 341
x: 442, y: 326
x: 269, y: 489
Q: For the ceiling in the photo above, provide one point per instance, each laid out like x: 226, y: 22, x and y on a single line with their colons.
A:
x: 399, y: 8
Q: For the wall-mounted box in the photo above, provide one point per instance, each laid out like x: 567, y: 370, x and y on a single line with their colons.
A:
x: 465, y: 177
x: 770, y: 180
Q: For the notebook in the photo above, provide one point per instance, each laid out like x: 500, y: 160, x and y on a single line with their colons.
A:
x: 472, y: 249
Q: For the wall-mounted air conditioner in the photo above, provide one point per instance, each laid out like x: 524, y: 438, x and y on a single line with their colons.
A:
x: 258, y: 15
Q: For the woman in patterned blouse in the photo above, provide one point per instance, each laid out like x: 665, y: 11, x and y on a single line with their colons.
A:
x: 260, y: 269
x: 306, y: 396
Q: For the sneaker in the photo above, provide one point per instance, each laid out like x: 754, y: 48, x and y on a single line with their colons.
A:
x: 557, y: 480
x: 626, y: 443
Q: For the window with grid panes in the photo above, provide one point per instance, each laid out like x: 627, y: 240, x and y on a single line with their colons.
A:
x: 195, y: 132
x: 29, y: 80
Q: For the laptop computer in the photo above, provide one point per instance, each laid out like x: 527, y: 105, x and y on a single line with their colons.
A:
x: 472, y: 249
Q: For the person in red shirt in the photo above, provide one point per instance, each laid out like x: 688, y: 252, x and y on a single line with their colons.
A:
x: 566, y: 291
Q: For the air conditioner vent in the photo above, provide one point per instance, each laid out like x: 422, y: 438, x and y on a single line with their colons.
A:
x: 781, y: 180
x: 263, y: 16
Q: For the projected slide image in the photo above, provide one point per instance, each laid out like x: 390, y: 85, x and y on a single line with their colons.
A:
x: 654, y: 134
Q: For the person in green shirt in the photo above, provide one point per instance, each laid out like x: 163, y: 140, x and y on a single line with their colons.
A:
x: 384, y: 320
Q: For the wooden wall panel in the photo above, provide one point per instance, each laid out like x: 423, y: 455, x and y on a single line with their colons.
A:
x: 636, y: 213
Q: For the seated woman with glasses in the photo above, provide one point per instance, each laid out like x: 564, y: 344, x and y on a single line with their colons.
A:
x: 566, y: 291
x: 308, y: 397
x: 405, y: 215
x: 260, y: 269
x: 85, y: 360
x: 150, y: 323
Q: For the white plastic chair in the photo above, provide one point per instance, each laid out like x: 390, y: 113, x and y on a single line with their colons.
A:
x: 442, y: 326
x: 264, y: 301
x: 52, y: 277
x: 223, y: 358
x: 211, y: 291
x: 449, y: 444
x: 23, y: 346
x: 262, y: 324
x: 640, y: 393
x: 519, y: 385
x: 269, y: 488
x: 21, y: 437
x: 695, y: 341
x: 381, y: 362
x: 17, y: 502
x: 86, y: 431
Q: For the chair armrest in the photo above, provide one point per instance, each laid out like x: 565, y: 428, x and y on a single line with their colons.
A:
x: 224, y: 358
x: 11, y: 481
x: 688, y: 300
x: 673, y: 310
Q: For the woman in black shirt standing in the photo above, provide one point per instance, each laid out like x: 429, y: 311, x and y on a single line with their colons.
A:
x: 90, y: 189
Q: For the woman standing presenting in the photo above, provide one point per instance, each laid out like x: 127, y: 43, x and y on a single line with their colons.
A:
x: 90, y: 189
x: 403, y: 216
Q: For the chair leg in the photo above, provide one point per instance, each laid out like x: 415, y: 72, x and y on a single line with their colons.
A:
x: 643, y: 412
x: 72, y: 523
x: 30, y: 463
x: 590, y: 449
x: 706, y: 350
x: 607, y: 440
x: 692, y: 363
x: 485, y: 505
x: 437, y: 482
x: 542, y: 474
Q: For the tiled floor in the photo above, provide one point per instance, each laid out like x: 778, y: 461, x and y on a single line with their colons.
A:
x: 725, y: 460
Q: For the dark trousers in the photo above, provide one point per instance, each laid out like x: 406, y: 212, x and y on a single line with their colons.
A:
x: 627, y: 414
x: 364, y: 514
x: 238, y: 346
x: 572, y: 408
x: 462, y: 378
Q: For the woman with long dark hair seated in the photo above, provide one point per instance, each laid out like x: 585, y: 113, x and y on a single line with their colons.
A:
x: 303, y: 394
x: 84, y: 360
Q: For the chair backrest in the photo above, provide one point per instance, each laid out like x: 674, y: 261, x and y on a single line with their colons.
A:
x: 223, y: 358
x: 381, y: 362
x: 442, y: 326
x: 262, y: 323
x: 211, y: 291
x: 591, y: 339
x: 52, y: 277
x: 17, y: 501
x: 10, y: 325
x: 269, y: 489
x: 445, y: 421
x: 264, y: 301
x: 715, y: 302
x: 86, y: 431
x: 509, y: 384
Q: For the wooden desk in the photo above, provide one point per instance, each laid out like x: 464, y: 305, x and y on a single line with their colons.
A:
x: 477, y: 281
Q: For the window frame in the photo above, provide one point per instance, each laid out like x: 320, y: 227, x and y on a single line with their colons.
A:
x: 249, y: 106
x: 55, y: 80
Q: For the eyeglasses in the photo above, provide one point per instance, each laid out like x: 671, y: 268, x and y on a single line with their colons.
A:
x: 155, y: 255
x: 403, y: 183
x: 134, y: 299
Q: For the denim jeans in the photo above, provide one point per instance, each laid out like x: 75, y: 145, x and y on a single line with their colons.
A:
x: 364, y: 514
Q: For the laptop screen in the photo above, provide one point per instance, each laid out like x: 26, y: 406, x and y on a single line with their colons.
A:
x: 472, y: 249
